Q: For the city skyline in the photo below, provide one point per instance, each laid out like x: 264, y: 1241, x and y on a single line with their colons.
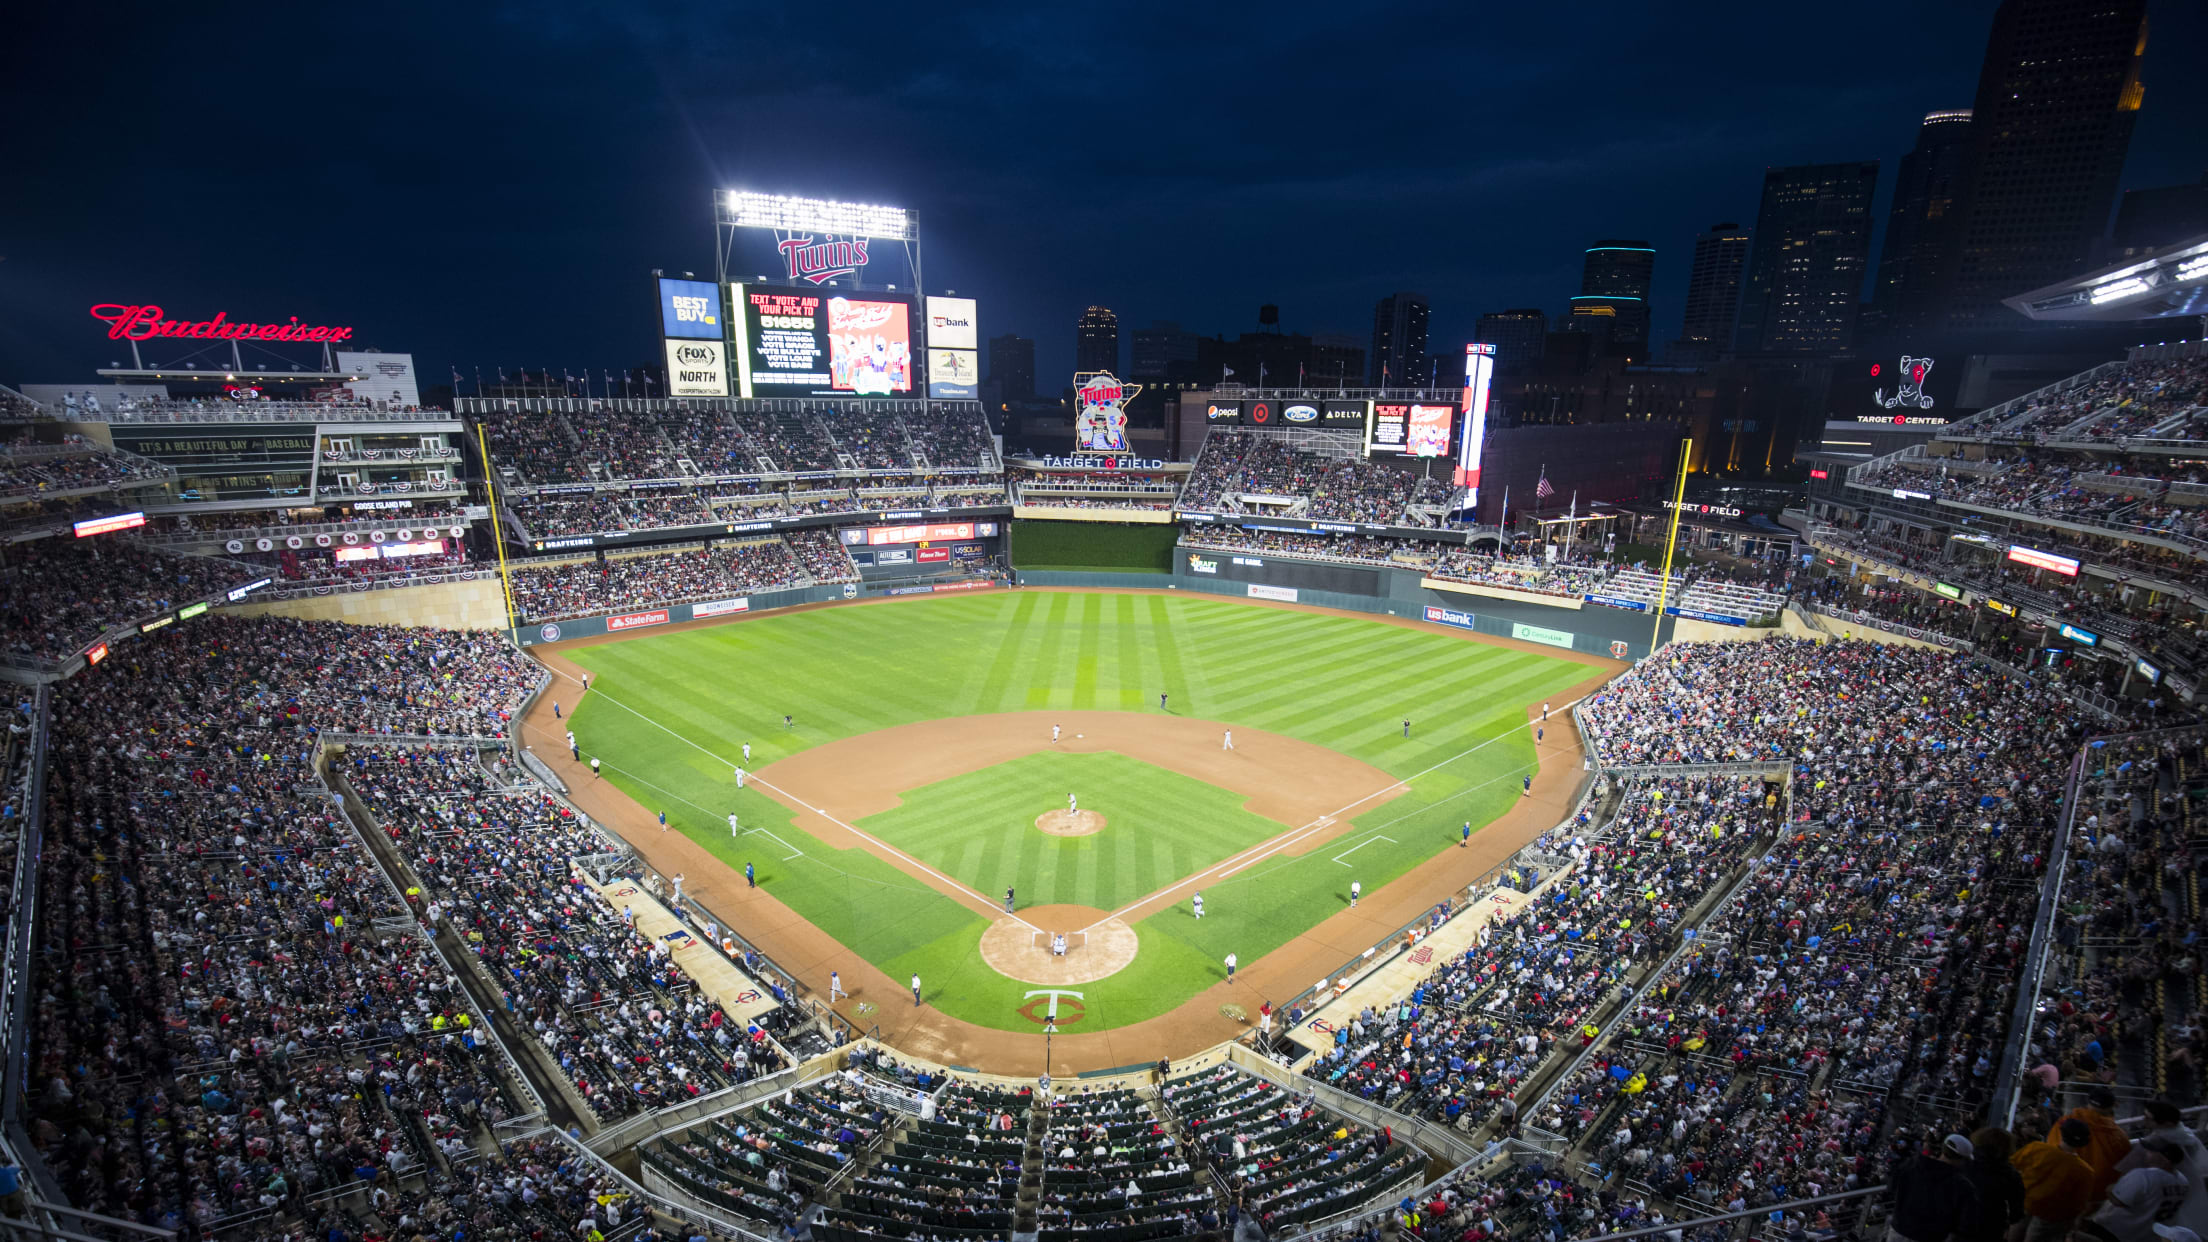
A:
x: 473, y: 224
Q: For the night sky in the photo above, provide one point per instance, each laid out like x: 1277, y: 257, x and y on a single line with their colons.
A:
x: 489, y: 185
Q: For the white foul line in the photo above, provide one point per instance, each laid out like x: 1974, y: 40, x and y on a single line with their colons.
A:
x: 867, y: 837
x: 1360, y: 845
x: 1294, y: 835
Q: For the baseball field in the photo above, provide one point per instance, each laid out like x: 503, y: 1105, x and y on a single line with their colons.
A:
x: 917, y: 778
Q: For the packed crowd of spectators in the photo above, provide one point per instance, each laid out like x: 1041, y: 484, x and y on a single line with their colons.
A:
x: 2044, y: 483
x: 217, y: 1028
x: 1571, y: 579
x: 1110, y: 1163
x: 2131, y: 400
x: 821, y: 554
x: 1353, y: 489
x: 580, y: 588
x: 1279, y: 1155
x: 1471, y: 1034
x: 768, y: 1164
x: 31, y: 470
x: 958, y: 1170
x: 1361, y: 549
x: 57, y: 595
x: 610, y: 1005
x: 623, y: 446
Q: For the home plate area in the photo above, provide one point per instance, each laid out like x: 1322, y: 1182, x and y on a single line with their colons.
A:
x: 1096, y: 946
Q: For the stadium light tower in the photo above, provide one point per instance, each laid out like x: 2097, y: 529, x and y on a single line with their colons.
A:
x: 786, y: 215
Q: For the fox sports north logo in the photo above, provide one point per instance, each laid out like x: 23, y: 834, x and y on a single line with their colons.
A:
x: 694, y: 355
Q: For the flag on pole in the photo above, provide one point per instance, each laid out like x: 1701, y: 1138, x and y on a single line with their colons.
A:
x: 1542, y: 490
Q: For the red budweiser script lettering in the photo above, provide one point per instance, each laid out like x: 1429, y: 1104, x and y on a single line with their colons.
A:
x: 146, y: 323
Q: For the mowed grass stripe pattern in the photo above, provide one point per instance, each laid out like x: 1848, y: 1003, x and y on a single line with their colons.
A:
x: 979, y: 828
x: 1340, y: 682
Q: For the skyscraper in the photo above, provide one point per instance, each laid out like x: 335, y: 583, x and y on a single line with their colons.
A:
x: 1160, y: 350
x: 1613, y: 283
x: 2057, y: 97
x: 1398, y: 355
x: 1920, y: 225
x: 1806, y: 263
x: 1096, y: 341
x: 1713, y: 292
x: 1012, y: 367
x: 1517, y: 335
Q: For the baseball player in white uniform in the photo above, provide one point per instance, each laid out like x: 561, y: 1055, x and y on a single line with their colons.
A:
x: 1199, y: 904
x: 747, y: 752
x: 1073, y: 805
x: 1228, y: 742
x: 1355, y: 888
x: 739, y: 778
x: 734, y: 830
x: 1054, y: 733
x: 835, y: 986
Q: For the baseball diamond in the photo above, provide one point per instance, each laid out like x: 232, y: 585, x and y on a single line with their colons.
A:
x: 921, y: 780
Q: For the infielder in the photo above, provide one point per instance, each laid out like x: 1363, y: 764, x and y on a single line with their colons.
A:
x: 1073, y: 805
x: 1054, y: 733
x: 835, y: 986
x: 1227, y: 743
x: 739, y: 778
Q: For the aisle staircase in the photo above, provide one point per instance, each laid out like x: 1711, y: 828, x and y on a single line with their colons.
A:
x: 1031, y: 1173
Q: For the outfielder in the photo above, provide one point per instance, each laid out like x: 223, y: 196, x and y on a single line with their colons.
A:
x: 747, y: 752
x: 734, y: 829
x: 1199, y: 904
x: 739, y: 778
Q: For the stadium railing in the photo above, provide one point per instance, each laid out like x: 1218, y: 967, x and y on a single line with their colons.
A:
x: 268, y: 412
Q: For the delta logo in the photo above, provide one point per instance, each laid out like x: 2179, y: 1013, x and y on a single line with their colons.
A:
x: 1300, y: 414
x: 1202, y: 564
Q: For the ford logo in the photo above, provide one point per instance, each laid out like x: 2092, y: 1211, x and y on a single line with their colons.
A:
x: 1300, y: 414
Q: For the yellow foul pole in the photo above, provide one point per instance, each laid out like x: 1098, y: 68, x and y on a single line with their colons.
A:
x: 498, y: 536
x: 1671, y: 540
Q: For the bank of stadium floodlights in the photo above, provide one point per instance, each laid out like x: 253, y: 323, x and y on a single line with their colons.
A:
x: 786, y: 215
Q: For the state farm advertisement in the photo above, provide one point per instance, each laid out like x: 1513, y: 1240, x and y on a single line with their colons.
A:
x: 637, y: 620
x: 794, y: 342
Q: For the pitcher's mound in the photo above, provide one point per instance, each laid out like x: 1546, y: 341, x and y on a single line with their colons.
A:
x: 1017, y: 950
x: 1070, y: 823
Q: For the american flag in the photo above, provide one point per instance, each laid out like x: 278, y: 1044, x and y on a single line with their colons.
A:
x: 1542, y: 490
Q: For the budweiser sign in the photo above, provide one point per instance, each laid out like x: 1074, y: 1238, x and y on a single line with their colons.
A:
x: 147, y: 323
x: 817, y: 261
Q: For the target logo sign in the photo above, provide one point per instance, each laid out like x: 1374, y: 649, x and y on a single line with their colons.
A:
x: 1261, y: 413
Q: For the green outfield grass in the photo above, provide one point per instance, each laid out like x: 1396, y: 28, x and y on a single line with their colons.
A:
x: 668, y: 714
